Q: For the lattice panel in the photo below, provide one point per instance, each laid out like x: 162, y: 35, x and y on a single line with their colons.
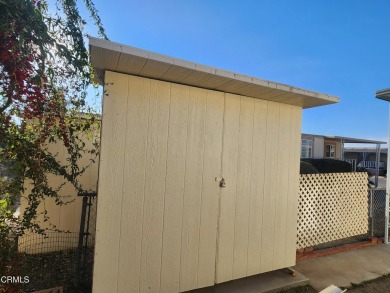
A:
x: 331, y: 206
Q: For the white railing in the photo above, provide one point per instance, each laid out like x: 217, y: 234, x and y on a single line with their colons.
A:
x: 371, y: 164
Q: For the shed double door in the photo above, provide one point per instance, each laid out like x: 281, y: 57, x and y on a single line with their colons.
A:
x: 178, y: 229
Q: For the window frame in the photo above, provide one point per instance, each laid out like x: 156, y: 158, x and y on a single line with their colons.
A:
x: 326, y: 151
x: 311, y: 148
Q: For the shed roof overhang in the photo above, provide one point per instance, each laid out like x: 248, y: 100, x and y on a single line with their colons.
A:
x: 383, y: 94
x: 107, y: 55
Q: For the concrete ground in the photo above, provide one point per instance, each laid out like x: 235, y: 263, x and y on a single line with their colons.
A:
x: 267, y: 282
x: 381, y: 181
x: 348, y: 267
x: 340, y: 269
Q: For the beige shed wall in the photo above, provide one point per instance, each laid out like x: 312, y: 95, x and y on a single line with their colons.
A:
x: 164, y: 224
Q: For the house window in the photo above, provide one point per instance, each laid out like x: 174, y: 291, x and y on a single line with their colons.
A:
x: 307, y: 148
x: 330, y: 151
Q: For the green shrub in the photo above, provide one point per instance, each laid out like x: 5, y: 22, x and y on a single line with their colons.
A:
x: 307, y: 168
x: 330, y: 165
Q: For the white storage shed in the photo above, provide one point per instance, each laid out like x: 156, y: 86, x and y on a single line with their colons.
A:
x: 199, y: 172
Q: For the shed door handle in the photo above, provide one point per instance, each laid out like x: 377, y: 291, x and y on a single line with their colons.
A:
x: 222, y: 183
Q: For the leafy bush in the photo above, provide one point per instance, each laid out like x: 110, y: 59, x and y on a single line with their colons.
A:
x: 307, y: 168
x: 330, y: 165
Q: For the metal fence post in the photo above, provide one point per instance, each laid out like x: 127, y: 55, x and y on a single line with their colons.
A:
x: 81, y: 237
x: 84, y: 238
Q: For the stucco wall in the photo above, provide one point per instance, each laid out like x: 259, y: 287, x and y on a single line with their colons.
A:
x: 65, y: 218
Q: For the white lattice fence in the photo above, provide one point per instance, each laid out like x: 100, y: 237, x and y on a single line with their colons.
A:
x: 331, y: 207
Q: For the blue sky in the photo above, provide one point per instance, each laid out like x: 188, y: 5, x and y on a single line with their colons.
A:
x: 341, y: 48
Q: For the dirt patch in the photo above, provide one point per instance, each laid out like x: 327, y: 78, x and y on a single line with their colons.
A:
x: 303, y: 289
x: 381, y: 284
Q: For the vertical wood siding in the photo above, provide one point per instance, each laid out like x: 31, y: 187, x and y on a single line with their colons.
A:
x: 192, y: 190
x: 136, y: 136
x: 111, y: 178
x: 257, y: 187
x: 211, y: 189
x: 227, y: 215
x: 164, y: 224
x: 176, y: 167
x: 293, y: 183
x: 259, y: 205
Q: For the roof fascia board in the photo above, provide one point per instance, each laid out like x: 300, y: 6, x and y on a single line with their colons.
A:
x: 107, y: 55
